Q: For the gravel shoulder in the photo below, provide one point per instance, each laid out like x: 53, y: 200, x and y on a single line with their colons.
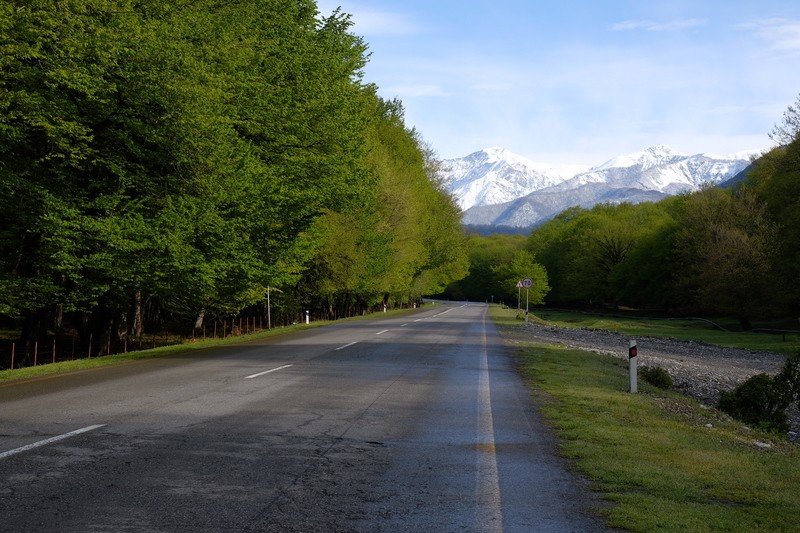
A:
x: 699, y: 369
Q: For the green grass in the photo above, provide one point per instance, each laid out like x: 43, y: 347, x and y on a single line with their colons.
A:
x: 666, y: 462
x: 680, y: 329
x: 163, y: 351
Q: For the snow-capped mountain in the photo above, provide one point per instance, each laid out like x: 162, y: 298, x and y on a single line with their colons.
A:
x: 498, y: 188
x: 660, y: 168
x: 496, y: 175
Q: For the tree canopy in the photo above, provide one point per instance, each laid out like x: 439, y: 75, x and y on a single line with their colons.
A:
x: 191, y: 155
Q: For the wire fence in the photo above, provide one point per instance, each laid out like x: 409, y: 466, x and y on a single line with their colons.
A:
x: 55, y: 348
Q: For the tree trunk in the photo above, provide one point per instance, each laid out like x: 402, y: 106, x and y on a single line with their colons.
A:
x: 137, y: 324
x: 32, y: 328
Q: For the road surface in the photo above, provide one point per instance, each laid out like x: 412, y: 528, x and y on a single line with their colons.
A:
x: 413, y: 423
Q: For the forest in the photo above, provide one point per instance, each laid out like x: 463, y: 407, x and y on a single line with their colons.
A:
x: 732, y: 252
x: 166, y: 165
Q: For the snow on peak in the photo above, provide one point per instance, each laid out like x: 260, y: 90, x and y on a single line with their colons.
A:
x: 497, y: 175
x: 649, y: 157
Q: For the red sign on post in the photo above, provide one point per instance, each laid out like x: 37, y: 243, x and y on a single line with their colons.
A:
x: 632, y: 352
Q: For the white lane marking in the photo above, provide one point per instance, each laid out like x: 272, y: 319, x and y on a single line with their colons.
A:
x: 382, y: 332
x: 418, y: 320
x: 403, y: 325
x: 346, y: 346
x: 51, y: 440
x: 487, y: 485
x: 267, y: 372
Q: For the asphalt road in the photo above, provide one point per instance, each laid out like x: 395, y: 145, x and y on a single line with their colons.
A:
x: 414, y: 423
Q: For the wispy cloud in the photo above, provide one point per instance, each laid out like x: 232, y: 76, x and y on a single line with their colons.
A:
x: 369, y: 21
x: 648, y: 25
x: 419, y: 90
x: 782, y: 34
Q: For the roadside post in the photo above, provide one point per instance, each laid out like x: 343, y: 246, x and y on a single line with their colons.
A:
x: 632, y: 367
x: 308, y: 316
x: 527, y: 283
x: 519, y: 294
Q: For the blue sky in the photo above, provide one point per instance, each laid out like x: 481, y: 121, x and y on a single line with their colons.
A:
x: 581, y: 81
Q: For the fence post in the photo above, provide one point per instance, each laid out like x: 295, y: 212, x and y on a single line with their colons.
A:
x: 632, y: 367
x: 35, y: 353
x: 90, y: 345
x: 54, y: 350
x: 13, y: 350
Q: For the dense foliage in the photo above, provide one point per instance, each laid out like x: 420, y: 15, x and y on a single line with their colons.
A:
x: 496, y: 264
x: 168, y: 161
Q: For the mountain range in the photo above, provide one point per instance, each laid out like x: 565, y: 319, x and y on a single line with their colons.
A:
x: 495, y: 187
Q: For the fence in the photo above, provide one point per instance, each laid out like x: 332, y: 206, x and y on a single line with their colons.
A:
x: 57, y: 348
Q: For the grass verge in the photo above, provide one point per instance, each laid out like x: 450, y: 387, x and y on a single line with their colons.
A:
x: 666, y: 462
x: 163, y: 351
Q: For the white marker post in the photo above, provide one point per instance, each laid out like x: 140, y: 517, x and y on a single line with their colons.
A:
x: 308, y: 316
x: 632, y: 367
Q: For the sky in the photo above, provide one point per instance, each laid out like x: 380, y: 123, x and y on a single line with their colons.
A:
x: 578, y: 82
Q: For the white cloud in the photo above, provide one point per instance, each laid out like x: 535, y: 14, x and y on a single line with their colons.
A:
x: 368, y: 21
x: 420, y: 90
x: 782, y: 34
x: 675, y: 25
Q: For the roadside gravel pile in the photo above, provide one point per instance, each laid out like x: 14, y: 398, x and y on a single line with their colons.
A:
x: 698, y: 369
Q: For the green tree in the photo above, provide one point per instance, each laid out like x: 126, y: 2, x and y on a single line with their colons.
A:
x: 522, y: 265
x: 776, y: 181
x: 788, y: 128
x: 725, y: 249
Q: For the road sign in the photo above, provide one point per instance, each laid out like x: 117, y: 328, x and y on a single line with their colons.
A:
x: 519, y: 284
x: 527, y: 283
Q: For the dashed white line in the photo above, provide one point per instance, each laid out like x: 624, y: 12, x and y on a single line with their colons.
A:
x: 51, y: 440
x: 403, y: 325
x: 345, y: 346
x: 267, y: 372
x: 382, y: 332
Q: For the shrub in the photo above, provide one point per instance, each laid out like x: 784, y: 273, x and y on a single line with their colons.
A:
x: 760, y: 401
x: 789, y: 378
x: 656, y: 376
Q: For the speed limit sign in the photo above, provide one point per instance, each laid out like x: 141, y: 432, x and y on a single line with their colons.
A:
x: 527, y: 283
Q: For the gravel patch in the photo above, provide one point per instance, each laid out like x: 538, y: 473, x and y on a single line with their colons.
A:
x: 699, y: 369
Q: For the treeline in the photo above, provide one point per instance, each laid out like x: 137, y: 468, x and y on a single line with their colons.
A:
x: 724, y: 252
x: 165, y: 163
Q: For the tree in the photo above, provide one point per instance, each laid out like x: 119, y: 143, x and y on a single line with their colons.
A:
x: 775, y: 180
x: 726, y: 248
x: 183, y: 157
x: 557, y: 246
x: 522, y: 265
x: 788, y: 129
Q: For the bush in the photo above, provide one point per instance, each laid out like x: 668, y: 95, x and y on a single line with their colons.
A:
x: 760, y: 401
x: 789, y: 378
x: 656, y: 376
